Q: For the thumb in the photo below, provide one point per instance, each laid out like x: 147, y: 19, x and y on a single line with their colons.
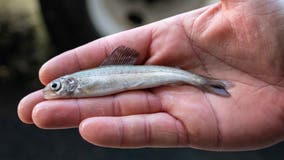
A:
x: 233, y: 3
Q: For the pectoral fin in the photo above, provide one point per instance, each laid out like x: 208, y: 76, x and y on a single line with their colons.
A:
x: 122, y: 55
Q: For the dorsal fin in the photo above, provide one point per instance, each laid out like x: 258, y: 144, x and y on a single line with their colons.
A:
x: 122, y: 55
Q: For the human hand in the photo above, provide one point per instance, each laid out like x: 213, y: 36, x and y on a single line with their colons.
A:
x: 234, y: 40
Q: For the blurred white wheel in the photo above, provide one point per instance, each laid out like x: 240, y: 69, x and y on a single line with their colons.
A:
x: 111, y: 16
x: 73, y: 23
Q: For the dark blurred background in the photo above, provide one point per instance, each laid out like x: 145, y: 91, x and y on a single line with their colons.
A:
x: 32, y: 31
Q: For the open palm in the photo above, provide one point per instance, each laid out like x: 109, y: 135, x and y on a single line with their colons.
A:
x: 232, y: 40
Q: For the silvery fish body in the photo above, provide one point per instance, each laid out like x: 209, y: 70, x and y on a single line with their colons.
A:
x: 111, y: 79
x: 108, y: 80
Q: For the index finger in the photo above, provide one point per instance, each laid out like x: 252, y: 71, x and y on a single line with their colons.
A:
x: 93, y: 53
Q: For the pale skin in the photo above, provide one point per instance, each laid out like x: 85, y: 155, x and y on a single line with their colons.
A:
x: 239, y: 41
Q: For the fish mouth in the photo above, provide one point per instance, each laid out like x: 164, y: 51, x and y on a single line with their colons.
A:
x: 49, y: 94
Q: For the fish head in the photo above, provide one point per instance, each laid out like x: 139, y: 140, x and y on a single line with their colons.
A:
x: 60, y: 88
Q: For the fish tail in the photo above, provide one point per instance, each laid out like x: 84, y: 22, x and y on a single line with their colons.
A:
x: 218, y: 87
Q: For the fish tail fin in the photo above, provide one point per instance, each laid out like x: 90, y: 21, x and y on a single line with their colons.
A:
x: 218, y: 87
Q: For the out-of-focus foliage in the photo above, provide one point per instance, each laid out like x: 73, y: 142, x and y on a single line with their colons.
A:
x: 24, y: 45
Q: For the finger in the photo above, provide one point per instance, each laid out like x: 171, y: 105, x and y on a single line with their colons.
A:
x: 70, y: 112
x: 92, y: 54
x: 158, y: 129
x: 27, y: 104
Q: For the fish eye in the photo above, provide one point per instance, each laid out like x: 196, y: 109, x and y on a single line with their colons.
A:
x: 55, y: 86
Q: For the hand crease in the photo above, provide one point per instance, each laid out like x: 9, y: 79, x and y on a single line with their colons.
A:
x: 184, y: 129
x: 75, y: 53
x: 149, y: 46
x: 151, y: 92
x: 121, y: 132
x: 79, y: 111
x: 243, y: 71
x: 191, y: 43
x: 178, y: 141
x: 219, y: 136
x: 147, y: 132
x: 116, y: 107
x: 148, y: 102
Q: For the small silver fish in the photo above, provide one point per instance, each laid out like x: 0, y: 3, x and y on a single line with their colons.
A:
x: 117, y: 74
